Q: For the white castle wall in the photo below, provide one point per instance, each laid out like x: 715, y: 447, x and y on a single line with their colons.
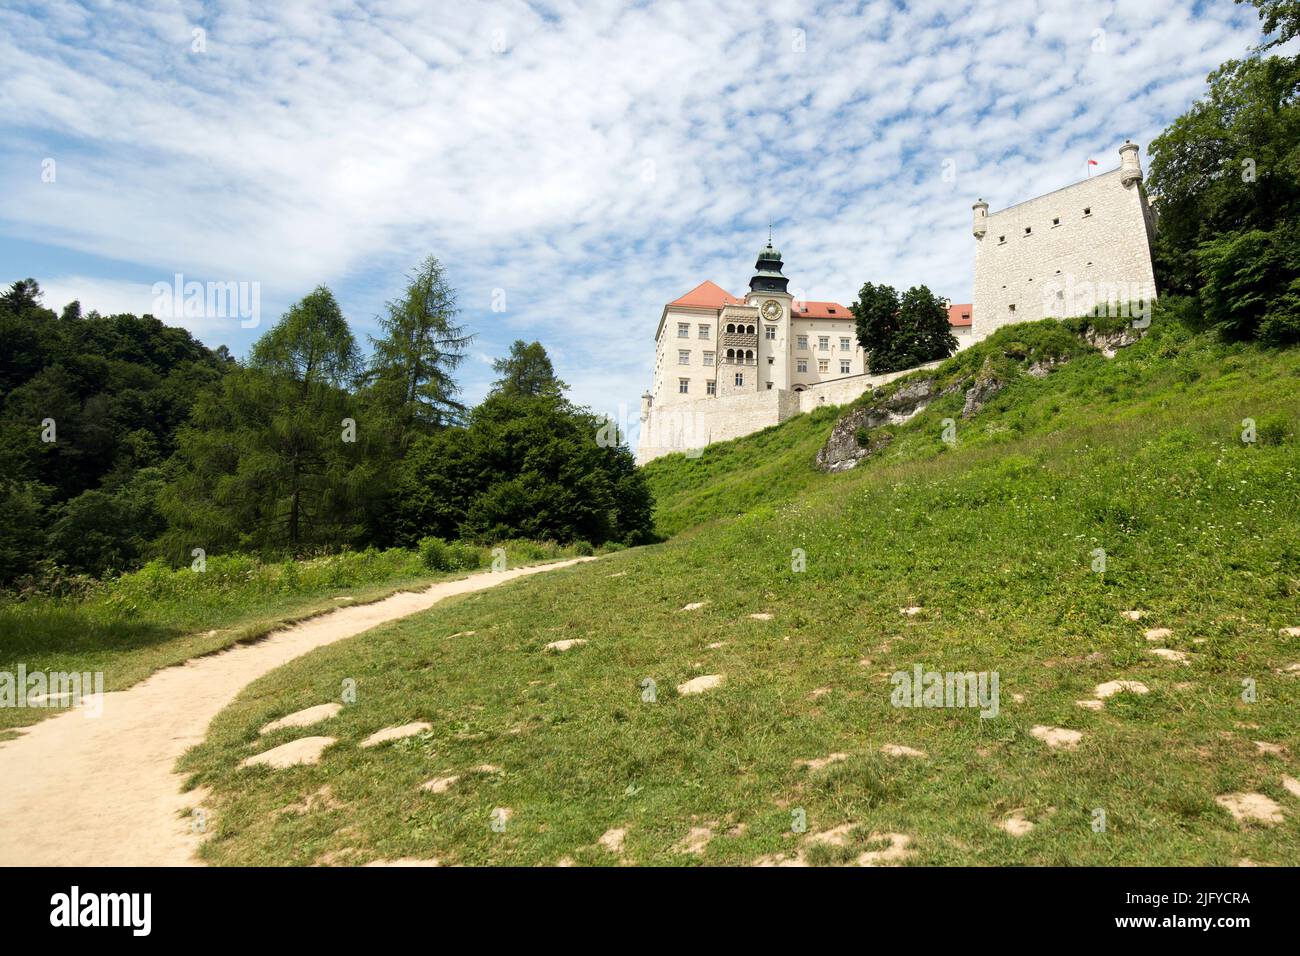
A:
x: 1097, y: 251
x: 688, y: 426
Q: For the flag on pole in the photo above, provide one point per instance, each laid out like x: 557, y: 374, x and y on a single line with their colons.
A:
x: 1091, y: 163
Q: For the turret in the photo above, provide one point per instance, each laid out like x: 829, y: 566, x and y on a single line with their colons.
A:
x: 1130, y: 168
x: 767, y: 270
x: 647, y: 400
x: 981, y: 223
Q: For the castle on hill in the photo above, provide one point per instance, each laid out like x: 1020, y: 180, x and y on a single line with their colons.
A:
x: 727, y: 366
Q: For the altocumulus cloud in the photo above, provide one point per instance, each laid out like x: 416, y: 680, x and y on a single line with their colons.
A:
x: 593, y: 161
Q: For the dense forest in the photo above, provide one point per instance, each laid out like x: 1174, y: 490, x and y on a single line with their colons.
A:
x: 124, y: 439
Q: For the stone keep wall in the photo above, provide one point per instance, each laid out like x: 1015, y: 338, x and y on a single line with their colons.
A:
x: 1061, y: 269
x: 680, y: 426
x: 685, y: 426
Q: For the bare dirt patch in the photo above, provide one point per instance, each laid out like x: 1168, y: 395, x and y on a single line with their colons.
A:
x: 696, y: 841
x: 821, y: 763
x: 1057, y: 737
x: 565, y: 644
x: 612, y: 839
x: 305, y: 750
x: 303, y: 718
x: 1250, y: 808
x: 440, y: 784
x: 698, y: 685
x: 397, y: 733
x: 899, y: 750
x: 1016, y: 823
x: 1112, y: 687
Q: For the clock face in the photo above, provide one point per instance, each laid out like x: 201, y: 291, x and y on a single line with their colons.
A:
x: 772, y: 309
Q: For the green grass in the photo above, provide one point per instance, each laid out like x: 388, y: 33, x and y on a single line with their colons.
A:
x: 731, y: 477
x: 993, y: 537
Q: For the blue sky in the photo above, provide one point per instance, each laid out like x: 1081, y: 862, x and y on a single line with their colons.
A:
x: 582, y: 163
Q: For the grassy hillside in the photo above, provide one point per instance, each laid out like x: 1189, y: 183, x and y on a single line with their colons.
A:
x: 992, y: 542
x: 731, y: 477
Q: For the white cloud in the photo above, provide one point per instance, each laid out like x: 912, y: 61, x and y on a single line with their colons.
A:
x: 594, y: 161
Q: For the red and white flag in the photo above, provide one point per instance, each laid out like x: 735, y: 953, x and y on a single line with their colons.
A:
x: 1091, y: 163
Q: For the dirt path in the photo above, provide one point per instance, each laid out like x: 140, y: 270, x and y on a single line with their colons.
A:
x: 78, y: 791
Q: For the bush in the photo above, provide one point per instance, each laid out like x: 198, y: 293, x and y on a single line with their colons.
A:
x: 584, y: 549
x: 1273, y: 430
x: 434, y: 554
x: 525, y: 467
x: 1252, y: 284
x: 463, y: 556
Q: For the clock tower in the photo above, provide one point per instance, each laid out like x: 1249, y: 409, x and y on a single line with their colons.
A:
x: 767, y: 291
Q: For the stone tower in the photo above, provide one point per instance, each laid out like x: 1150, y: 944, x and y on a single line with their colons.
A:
x: 1081, y: 250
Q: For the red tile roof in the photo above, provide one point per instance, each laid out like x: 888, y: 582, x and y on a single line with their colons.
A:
x: 959, y: 315
x: 706, y: 295
x: 821, y: 310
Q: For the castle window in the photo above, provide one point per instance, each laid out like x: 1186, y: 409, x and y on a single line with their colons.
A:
x: 704, y: 331
x: 845, y: 366
x: 823, y: 343
x: 710, y: 387
x: 769, y: 386
x: 683, y: 356
x: 731, y: 355
x: 803, y: 341
x: 708, y: 358
x: 770, y: 331
x: 801, y: 365
x: 683, y: 330
x: 830, y: 310
x: 749, y: 355
x: 1056, y: 221
x: 1087, y: 210
x: 844, y: 344
x: 731, y: 326
x: 1002, y: 240
x: 823, y: 365
x: 751, y: 330
x: 740, y: 378
x: 683, y: 386
x: 770, y: 360
x: 1028, y: 230
x: 1012, y: 307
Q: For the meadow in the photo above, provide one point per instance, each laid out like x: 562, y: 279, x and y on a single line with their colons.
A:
x: 1071, y: 504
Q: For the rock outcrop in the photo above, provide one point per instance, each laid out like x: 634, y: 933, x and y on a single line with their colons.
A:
x: 842, y: 450
x: 846, y: 447
x: 1108, y: 343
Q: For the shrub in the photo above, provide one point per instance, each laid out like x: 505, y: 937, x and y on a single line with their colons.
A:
x: 434, y: 554
x: 1273, y: 430
x: 462, y: 556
